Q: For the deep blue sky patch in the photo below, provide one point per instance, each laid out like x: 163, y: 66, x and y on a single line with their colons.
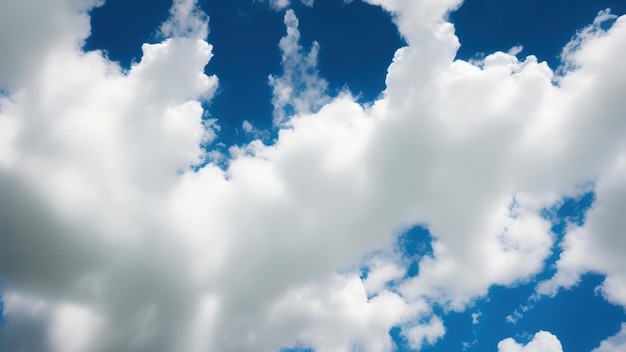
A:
x: 357, y: 44
x: 542, y: 27
x: 120, y: 27
x: 414, y: 244
x: 579, y: 317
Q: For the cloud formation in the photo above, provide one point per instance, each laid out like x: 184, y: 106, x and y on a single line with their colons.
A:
x: 543, y: 341
x: 299, y: 90
x: 116, y: 229
x: 596, y: 245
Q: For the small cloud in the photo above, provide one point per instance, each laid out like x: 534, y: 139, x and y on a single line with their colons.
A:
x: 279, y: 4
x: 247, y: 126
x: 513, y: 318
x: 256, y: 133
x: 468, y: 345
x: 475, y: 317
x: 515, y: 50
x: 427, y: 334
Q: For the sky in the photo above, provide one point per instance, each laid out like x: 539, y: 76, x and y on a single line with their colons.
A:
x: 300, y: 175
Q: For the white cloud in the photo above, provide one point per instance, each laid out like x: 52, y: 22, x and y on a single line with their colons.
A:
x: 186, y: 20
x: 299, y: 90
x: 614, y: 343
x: 475, y: 317
x: 543, y: 341
x: 571, y: 52
x: 381, y: 272
x: 73, y: 328
x: 252, y: 131
x: 514, y: 51
x: 279, y: 4
x: 9, y: 129
x: 426, y: 334
x: 247, y: 126
x: 94, y: 157
x: 100, y: 211
x: 41, y: 26
x: 597, y: 245
x: 322, y: 314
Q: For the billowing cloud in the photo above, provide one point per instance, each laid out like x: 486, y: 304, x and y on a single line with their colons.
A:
x: 92, y: 156
x: 114, y: 226
x: 543, y: 341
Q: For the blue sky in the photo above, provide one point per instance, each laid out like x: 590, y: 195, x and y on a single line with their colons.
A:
x: 321, y: 175
x: 245, y: 35
x: 347, y: 33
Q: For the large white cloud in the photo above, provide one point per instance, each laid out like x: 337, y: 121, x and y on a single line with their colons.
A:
x: 86, y: 174
x: 108, y: 231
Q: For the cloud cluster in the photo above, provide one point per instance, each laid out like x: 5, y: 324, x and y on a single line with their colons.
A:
x: 117, y: 235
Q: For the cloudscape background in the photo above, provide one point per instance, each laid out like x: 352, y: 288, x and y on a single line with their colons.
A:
x: 331, y: 175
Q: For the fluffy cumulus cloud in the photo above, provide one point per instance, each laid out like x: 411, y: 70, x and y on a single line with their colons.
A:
x: 543, y: 341
x: 597, y: 245
x: 118, y: 234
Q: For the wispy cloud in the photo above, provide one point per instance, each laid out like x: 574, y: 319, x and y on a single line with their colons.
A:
x: 300, y: 89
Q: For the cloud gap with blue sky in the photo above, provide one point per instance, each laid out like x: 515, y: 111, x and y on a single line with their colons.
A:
x: 376, y: 175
